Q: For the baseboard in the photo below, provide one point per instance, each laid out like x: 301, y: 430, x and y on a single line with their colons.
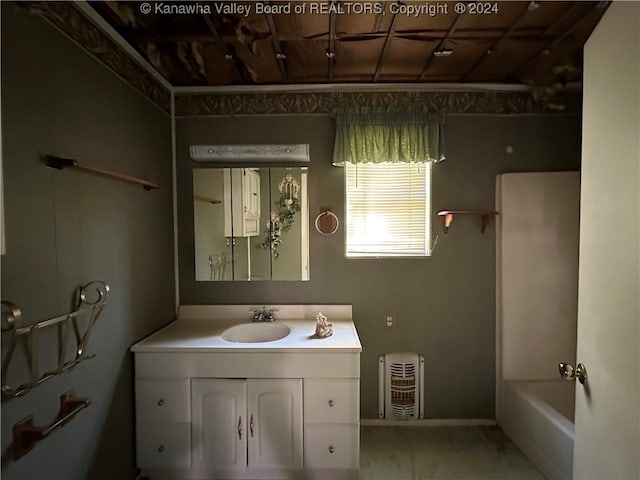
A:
x: 429, y: 422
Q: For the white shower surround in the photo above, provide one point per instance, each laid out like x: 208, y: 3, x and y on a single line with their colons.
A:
x: 537, y: 236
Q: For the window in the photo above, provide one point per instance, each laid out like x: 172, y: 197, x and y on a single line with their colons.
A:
x: 388, y: 208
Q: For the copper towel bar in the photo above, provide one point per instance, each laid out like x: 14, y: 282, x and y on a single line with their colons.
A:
x: 60, y: 163
x: 26, y: 435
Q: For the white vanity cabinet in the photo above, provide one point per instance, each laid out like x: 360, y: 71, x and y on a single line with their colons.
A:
x: 211, y: 409
x: 246, y: 424
x: 242, y: 193
x: 292, y: 416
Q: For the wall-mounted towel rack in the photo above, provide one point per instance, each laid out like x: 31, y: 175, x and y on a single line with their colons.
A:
x: 486, y: 217
x: 11, y: 316
x: 26, y: 435
x: 327, y: 222
x: 61, y: 163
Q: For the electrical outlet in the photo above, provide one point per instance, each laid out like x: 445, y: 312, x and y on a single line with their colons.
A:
x: 389, y: 320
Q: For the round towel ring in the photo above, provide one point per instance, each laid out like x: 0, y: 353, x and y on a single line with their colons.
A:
x: 331, y: 214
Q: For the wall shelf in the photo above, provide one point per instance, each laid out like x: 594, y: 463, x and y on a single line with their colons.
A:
x: 203, y: 198
x: 486, y: 217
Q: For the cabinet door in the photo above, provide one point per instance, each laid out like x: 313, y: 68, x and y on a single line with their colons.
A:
x: 218, y: 423
x: 275, y: 423
x: 251, y: 203
x: 241, y: 202
x: 252, y: 193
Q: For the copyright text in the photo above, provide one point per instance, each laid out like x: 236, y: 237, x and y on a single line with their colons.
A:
x: 245, y: 9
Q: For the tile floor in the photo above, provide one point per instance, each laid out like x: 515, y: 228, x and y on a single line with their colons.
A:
x: 441, y: 453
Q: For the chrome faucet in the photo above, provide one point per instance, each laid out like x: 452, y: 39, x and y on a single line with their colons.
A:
x: 263, y: 315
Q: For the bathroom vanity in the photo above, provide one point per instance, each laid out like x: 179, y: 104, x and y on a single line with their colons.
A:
x: 221, y: 397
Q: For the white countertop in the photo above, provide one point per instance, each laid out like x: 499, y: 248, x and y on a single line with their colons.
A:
x: 199, y: 329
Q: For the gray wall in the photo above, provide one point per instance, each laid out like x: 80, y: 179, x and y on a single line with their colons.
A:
x: 66, y: 228
x: 444, y: 305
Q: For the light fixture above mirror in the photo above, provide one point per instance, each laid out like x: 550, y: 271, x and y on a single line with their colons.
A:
x: 294, y: 154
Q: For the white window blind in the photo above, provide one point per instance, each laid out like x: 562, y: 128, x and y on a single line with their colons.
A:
x: 388, y: 209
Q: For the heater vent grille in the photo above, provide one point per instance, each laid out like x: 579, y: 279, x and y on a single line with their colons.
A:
x: 401, y: 379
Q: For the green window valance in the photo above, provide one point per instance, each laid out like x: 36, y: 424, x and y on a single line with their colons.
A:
x: 382, y: 135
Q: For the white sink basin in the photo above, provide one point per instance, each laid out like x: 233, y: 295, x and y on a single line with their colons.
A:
x: 256, y: 332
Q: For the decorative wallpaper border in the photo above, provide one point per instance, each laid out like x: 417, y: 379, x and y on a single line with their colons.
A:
x: 324, y: 102
x: 68, y: 18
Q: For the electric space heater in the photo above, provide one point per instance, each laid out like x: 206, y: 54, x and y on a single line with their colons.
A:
x: 400, y: 386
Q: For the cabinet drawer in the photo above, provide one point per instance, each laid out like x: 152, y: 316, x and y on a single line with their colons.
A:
x: 163, y: 445
x: 332, y: 401
x: 162, y: 400
x: 331, y: 446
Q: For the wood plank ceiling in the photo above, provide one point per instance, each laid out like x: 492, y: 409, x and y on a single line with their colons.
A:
x: 228, y: 43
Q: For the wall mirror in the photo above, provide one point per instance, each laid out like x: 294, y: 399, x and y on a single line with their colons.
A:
x: 251, y: 223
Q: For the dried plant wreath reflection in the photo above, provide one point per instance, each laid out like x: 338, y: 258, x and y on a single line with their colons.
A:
x: 282, y: 218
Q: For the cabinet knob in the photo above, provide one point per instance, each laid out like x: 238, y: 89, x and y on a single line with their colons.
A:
x: 161, y: 402
x: 331, y: 449
x: 161, y: 448
x: 331, y: 403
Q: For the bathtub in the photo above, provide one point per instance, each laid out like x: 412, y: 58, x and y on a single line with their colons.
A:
x: 538, y: 417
